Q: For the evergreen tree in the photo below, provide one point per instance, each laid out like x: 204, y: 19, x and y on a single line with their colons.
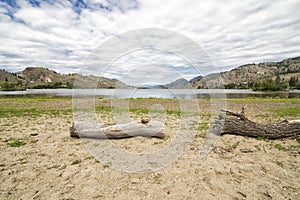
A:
x: 292, y: 81
x: 278, y: 82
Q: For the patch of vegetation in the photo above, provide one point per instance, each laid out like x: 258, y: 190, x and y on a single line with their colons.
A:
x: 173, y: 112
x: 7, y: 112
x: 75, y: 162
x: 266, y: 100
x: 203, y: 126
x: 135, y: 110
x: 103, y: 108
x: 238, y: 85
x: 235, y: 145
x: 297, y: 146
x: 205, y: 115
x: 107, y: 165
x: 263, y: 138
x: 54, y: 86
x: 287, y: 112
x: 200, y: 135
x: 158, y: 142
x: 264, y: 116
x: 32, y: 107
x: 280, y: 147
x: 13, y: 142
x: 89, y: 157
x: 139, y: 110
x: 9, y: 86
x: 257, y: 147
x: 270, y: 85
x: 294, y: 83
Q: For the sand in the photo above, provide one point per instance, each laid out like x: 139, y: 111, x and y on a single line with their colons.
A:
x: 52, y: 165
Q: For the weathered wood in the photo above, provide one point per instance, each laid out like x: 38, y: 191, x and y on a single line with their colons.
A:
x: 245, y: 127
x: 144, y: 128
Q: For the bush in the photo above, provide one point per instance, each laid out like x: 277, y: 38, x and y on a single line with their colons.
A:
x: 269, y: 85
x: 8, y: 86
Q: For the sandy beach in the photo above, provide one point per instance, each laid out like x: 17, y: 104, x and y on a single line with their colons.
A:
x: 39, y: 160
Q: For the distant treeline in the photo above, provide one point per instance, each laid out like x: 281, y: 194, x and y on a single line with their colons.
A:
x: 22, y: 85
x: 267, y: 84
x: 56, y: 85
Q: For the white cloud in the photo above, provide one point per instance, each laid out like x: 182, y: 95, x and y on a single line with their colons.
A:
x: 61, y: 35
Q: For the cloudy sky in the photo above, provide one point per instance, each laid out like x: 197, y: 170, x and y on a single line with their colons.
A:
x: 64, y: 35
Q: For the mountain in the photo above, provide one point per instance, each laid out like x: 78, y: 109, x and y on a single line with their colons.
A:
x: 286, y: 72
x: 39, y: 77
x: 179, y: 83
x: 92, y: 81
x: 197, y: 78
x: 243, y: 77
x: 182, y: 83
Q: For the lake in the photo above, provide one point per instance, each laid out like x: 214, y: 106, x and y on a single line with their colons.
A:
x: 148, y: 93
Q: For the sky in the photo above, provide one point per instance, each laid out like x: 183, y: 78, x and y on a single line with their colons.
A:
x: 67, y: 36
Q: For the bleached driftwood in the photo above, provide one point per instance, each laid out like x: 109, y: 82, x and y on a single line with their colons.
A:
x: 144, y: 128
x: 245, y: 127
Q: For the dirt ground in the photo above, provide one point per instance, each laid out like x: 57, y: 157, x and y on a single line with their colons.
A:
x: 39, y: 160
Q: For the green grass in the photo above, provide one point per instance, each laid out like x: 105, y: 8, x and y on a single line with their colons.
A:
x: 135, y: 110
x: 280, y: 147
x: 103, y: 108
x: 287, y: 112
x: 11, y: 111
x: 32, y: 107
x: 173, y: 112
x: 139, y: 110
x: 203, y: 126
x: 265, y: 100
x: 13, y: 142
x: 235, y: 145
x: 263, y: 138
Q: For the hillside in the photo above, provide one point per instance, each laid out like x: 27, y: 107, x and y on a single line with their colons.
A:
x: 39, y: 77
x: 244, y: 76
x: 260, y: 76
x: 7, y: 77
x: 179, y: 83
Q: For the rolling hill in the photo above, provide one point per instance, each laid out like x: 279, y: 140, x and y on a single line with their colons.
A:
x: 39, y: 77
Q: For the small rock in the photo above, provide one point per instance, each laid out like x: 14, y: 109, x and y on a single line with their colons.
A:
x: 246, y: 150
x: 145, y: 120
x: 34, y: 134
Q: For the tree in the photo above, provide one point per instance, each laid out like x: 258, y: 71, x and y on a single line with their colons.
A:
x: 292, y: 81
x: 6, y: 80
x: 7, y: 86
x: 278, y: 82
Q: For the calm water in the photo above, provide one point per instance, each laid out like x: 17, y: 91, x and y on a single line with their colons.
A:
x: 146, y: 93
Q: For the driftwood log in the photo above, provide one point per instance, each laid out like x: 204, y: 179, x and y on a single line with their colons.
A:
x: 241, y: 125
x: 144, y: 128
